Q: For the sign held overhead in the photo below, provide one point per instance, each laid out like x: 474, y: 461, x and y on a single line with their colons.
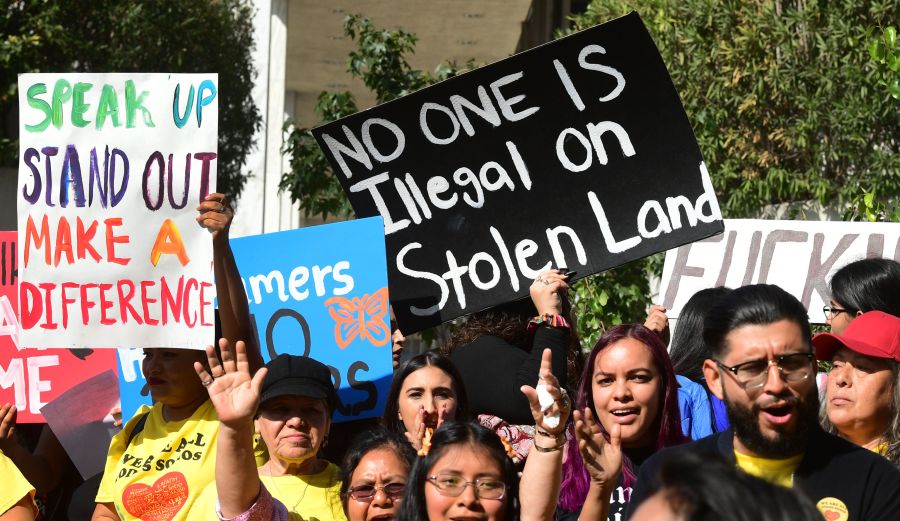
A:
x: 111, y: 170
x: 574, y: 154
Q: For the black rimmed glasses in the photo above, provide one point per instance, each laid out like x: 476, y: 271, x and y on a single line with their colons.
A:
x: 794, y: 368
x: 833, y: 311
x: 367, y: 492
x: 453, y: 486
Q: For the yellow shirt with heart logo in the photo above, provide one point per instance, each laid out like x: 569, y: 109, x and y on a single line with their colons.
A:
x: 160, y: 474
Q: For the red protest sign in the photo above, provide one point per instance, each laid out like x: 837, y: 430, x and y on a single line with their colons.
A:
x: 31, y: 378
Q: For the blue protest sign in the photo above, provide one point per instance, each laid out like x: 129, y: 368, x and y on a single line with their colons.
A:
x: 322, y: 292
x: 131, y: 381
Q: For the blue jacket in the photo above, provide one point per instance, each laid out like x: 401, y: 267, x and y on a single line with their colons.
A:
x: 697, y: 420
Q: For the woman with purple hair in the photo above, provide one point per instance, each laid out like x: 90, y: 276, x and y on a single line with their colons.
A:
x: 626, y: 409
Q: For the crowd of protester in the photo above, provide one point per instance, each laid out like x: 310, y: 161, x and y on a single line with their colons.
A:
x: 511, y: 421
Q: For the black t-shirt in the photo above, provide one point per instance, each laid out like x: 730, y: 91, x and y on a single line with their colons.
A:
x: 832, y: 469
x: 621, y: 496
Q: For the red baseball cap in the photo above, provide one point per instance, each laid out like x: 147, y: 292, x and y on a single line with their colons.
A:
x: 875, y: 334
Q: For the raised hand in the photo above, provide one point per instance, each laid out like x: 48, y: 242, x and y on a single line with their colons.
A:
x: 232, y: 390
x: 442, y: 412
x: 545, y: 292
x: 415, y: 437
x: 658, y: 322
x: 560, y: 406
x: 602, y: 458
x: 216, y: 214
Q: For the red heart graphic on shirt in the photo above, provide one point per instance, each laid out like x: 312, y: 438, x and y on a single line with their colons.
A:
x: 159, y: 502
x: 831, y: 515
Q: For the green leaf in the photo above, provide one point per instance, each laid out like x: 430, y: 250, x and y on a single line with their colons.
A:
x: 893, y: 62
x: 890, y: 36
x: 871, y: 216
x: 876, y: 50
x: 894, y: 89
x: 603, y: 298
x: 869, y: 199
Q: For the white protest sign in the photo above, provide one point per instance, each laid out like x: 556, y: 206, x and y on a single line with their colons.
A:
x: 111, y: 170
x: 799, y: 256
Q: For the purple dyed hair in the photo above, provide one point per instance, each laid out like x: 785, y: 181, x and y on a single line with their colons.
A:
x: 575, y: 479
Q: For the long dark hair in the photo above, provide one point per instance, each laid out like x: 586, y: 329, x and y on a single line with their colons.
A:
x: 391, y: 419
x: 868, y: 285
x: 366, y: 442
x: 688, y: 351
x: 414, y: 508
x: 575, y: 481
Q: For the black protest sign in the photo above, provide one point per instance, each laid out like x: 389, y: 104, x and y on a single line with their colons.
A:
x: 576, y: 154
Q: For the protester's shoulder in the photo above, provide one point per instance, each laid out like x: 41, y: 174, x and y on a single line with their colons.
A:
x: 689, y: 386
x: 16, y: 486
x: 207, y: 412
x: 708, y: 446
x: 331, y: 476
x: 141, y: 415
x: 841, y: 454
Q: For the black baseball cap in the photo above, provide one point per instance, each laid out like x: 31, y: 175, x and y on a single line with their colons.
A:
x: 298, y: 376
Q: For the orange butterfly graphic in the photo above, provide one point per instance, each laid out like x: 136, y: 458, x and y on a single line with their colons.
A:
x: 361, y: 317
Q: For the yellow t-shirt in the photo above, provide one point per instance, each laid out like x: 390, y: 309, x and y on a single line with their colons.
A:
x: 164, y: 469
x: 777, y: 471
x: 313, y: 497
x: 15, y: 486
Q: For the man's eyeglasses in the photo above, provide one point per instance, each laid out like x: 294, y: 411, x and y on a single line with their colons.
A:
x: 831, y: 311
x: 453, y: 486
x: 367, y: 492
x: 794, y: 368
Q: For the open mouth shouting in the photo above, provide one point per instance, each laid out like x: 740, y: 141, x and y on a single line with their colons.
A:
x: 625, y: 415
x: 778, y: 413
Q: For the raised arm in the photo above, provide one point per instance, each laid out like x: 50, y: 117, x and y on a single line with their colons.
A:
x: 658, y: 322
x: 216, y: 215
x: 539, y: 487
x: 547, y: 292
x: 235, y: 395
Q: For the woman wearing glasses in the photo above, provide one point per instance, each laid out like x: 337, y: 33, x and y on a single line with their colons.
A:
x: 375, y: 472
x: 864, y: 285
x: 466, y: 474
x: 468, y: 471
x: 626, y: 409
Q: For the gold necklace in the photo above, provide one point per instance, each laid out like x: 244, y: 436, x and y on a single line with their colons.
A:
x: 292, y: 509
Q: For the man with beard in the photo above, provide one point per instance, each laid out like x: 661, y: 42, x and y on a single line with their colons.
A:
x: 763, y: 367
